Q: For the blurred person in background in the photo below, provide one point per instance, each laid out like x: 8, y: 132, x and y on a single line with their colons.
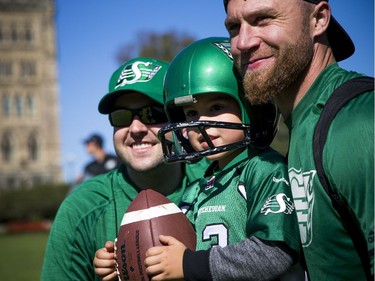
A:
x: 102, y: 161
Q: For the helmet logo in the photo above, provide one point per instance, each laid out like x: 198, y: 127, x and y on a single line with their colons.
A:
x: 225, y: 47
x: 137, y: 72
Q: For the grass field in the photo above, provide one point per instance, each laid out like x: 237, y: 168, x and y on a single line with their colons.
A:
x: 22, y: 256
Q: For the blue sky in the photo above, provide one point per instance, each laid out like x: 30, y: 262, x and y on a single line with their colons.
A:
x: 90, y: 33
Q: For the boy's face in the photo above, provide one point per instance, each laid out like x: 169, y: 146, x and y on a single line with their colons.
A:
x: 214, y: 107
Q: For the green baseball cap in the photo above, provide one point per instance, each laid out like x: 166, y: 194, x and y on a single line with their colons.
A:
x: 143, y: 75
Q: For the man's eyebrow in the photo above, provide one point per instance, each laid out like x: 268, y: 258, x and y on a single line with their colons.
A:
x: 249, y: 14
x: 261, y: 11
x: 227, y: 21
x: 230, y: 20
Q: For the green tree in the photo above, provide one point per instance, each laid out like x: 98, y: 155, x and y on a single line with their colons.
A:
x: 163, y: 46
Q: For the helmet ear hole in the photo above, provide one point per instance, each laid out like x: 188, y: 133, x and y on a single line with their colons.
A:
x: 264, y: 124
x: 175, y: 113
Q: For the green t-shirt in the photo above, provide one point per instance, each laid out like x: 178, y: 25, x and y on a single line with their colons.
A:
x: 348, y: 160
x: 251, y: 196
x: 90, y: 216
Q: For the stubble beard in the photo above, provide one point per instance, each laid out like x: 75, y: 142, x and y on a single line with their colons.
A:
x: 290, y: 63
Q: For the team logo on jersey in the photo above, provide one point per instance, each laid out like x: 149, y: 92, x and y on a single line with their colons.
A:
x: 278, y: 203
x: 210, y: 183
x: 303, y: 196
x: 138, y: 71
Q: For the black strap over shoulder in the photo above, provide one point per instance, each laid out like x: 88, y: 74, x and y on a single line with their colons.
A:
x: 341, y: 96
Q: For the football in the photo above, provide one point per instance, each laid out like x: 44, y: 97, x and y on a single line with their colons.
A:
x: 149, y: 215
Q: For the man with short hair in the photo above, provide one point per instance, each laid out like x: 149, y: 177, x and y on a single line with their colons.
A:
x: 288, y: 51
x: 92, y: 213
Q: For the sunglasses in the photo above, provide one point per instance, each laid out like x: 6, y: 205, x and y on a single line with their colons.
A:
x: 152, y: 114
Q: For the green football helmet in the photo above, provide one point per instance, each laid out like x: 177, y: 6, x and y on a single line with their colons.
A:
x: 206, y: 66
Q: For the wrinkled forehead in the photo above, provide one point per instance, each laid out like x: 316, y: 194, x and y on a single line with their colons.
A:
x: 310, y: 1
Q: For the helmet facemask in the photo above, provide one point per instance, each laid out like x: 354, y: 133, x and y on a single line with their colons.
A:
x: 180, y: 149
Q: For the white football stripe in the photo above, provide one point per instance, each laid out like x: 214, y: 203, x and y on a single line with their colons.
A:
x: 153, y: 212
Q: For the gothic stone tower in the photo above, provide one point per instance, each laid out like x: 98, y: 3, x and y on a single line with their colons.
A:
x: 29, y: 126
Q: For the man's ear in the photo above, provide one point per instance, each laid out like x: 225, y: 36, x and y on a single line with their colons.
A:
x: 322, y: 16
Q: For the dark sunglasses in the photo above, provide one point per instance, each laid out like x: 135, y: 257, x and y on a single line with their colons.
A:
x: 152, y: 114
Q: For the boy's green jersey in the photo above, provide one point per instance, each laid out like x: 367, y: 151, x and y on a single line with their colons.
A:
x: 348, y: 160
x: 251, y: 196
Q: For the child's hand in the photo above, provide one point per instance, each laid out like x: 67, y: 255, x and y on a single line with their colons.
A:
x: 104, y: 262
x: 165, y: 262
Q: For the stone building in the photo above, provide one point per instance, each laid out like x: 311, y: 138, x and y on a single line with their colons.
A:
x: 29, y: 112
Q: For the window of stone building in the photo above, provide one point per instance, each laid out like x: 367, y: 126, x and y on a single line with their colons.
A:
x: 30, y: 104
x: 1, y: 33
x: 14, y: 33
x: 28, y: 68
x: 6, y: 147
x: 5, y: 105
x: 28, y: 33
x: 19, y: 105
x: 5, y: 69
x: 32, y: 146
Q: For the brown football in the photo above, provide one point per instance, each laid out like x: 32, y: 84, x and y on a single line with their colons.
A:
x: 149, y: 215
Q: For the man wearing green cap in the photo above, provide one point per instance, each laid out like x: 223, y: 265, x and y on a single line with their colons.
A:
x: 91, y: 215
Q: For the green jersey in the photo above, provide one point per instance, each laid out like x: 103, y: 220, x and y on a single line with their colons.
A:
x: 250, y: 197
x: 348, y: 160
x: 90, y: 216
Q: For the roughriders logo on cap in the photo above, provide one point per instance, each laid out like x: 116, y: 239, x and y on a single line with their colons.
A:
x: 138, y: 71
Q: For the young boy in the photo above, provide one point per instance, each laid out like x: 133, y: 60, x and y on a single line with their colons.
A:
x: 245, y: 195
x: 243, y: 213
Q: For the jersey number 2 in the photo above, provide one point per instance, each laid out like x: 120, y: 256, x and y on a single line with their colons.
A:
x: 216, y: 230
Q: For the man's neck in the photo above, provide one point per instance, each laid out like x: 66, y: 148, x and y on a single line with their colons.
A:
x: 165, y: 178
x: 289, y: 99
